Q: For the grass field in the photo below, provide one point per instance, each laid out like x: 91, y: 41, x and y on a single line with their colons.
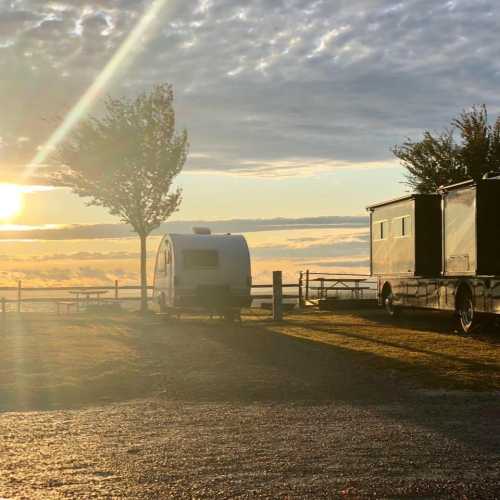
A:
x: 48, y: 361
x: 420, y: 347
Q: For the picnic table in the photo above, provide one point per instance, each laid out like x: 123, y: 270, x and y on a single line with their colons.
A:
x: 91, y: 296
x: 352, y: 285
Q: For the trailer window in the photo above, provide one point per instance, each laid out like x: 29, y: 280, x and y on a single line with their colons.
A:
x: 401, y: 226
x: 200, y: 259
x: 406, y: 225
x: 161, y: 262
x: 380, y: 230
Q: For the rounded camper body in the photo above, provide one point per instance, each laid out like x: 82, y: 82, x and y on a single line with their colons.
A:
x: 202, y: 271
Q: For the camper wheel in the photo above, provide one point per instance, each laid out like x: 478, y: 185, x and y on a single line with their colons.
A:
x: 388, y: 301
x: 467, y: 317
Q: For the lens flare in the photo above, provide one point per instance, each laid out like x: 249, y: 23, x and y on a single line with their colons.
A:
x: 11, y: 201
x: 124, y: 55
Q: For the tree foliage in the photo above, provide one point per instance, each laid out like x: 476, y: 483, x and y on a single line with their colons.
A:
x: 126, y: 160
x: 439, y: 160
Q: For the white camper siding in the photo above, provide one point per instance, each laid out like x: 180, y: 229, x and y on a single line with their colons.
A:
x: 393, y: 238
x: 459, y: 231
x: 232, y: 269
x: 199, y: 269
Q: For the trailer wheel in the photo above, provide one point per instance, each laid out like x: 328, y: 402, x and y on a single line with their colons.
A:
x: 467, y: 317
x: 388, y: 301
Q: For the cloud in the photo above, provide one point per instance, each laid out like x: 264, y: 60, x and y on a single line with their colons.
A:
x: 266, y: 87
x: 361, y: 262
x: 67, y: 276
x: 75, y: 256
x: 95, y: 231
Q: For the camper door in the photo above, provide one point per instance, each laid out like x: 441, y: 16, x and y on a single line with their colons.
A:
x: 164, y: 274
x: 169, y: 285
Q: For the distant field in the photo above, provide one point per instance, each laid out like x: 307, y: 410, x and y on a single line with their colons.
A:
x: 48, y: 361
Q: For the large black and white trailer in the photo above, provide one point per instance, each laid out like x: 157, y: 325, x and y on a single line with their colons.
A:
x: 440, y: 251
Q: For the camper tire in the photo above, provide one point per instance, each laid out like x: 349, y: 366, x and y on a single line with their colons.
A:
x: 467, y: 316
x: 388, y: 301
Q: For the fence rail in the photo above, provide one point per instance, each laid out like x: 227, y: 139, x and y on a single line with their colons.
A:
x: 310, y: 286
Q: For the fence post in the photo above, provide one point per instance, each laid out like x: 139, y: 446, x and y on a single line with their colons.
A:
x: 277, y: 295
x: 19, y: 288
x: 301, y: 298
x: 307, y: 285
x: 116, y: 289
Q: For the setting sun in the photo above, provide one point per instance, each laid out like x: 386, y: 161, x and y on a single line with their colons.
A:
x: 10, y: 201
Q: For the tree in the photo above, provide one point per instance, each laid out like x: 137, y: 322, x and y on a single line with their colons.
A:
x: 126, y: 160
x: 432, y: 162
x: 439, y: 160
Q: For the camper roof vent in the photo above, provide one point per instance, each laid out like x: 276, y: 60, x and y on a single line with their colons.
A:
x: 201, y: 230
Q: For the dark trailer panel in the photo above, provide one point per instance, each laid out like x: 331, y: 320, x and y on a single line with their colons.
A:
x: 406, y: 236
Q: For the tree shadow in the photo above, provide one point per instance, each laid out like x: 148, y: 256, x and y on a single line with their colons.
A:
x: 422, y: 320
x: 337, y: 375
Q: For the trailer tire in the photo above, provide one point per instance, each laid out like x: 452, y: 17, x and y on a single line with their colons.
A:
x: 388, y: 301
x: 468, y: 320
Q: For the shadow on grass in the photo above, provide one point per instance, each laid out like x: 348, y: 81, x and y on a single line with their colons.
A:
x: 201, y: 360
x: 404, y: 347
x: 423, y: 320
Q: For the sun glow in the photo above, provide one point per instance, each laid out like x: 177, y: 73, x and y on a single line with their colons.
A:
x: 11, y: 201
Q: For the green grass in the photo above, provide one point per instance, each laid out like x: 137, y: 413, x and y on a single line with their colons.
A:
x: 419, y: 347
x: 49, y: 361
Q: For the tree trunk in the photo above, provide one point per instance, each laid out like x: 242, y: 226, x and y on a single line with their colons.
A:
x: 144, y: 276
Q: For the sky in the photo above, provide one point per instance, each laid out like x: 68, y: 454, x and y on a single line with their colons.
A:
x: 291, y: 106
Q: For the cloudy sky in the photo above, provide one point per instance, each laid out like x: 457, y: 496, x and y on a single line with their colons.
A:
x: 291, y: 105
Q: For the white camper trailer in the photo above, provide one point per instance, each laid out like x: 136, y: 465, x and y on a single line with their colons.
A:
x: 203, y: 271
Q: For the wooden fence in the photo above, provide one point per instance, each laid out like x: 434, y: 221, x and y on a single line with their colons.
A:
x: 83, y: 295
x: 311, y: 286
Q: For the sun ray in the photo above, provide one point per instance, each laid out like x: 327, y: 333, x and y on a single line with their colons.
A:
x: 123, y: 55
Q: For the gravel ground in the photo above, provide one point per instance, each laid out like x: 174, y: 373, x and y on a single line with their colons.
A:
x: 434, y: 446
x: 249, y: 414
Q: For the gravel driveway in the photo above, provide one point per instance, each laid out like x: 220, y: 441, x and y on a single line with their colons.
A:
x: 277, y: 419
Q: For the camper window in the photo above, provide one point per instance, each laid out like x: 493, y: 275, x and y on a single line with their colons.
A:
x: 161, y: 262
x: 381, y: 230
x: 401, y: 226
x: 200, y: 259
